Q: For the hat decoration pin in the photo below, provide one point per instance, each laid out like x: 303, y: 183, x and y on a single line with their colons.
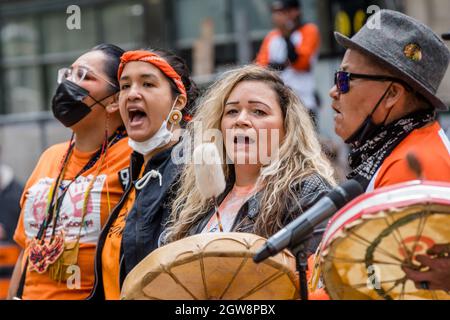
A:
x: 414, y: 54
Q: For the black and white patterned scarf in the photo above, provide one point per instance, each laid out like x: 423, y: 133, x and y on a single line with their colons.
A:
x: 365, y: 159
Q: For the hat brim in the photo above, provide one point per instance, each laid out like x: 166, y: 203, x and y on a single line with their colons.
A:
x: 347, y: 43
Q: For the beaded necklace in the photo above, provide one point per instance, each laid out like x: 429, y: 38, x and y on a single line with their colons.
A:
x: 54, y: 254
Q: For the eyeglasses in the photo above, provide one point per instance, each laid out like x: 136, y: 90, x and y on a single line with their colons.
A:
x: 78, y: 74
x: 342, y: 80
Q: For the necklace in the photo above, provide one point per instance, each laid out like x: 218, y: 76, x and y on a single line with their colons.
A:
x: 55, y: 254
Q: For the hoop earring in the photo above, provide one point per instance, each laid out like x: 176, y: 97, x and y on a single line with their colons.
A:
x: 175, y: 117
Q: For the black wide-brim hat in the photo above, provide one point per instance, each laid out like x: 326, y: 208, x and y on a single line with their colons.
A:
x: 405, y: 46
x: 285, y: 4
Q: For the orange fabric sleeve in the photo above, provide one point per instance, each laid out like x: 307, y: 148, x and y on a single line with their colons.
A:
x: 48, y: 161
x: 111, y: 251
x: 308, y: 47
x: 19, y: 234
x: 399, y: 171
x: 262, y: 57
x: 430, y: 150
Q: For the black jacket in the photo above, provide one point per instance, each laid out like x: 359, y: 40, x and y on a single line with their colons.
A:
x: 145, y: 220
x: 311, y: 190
x: 150, y: 211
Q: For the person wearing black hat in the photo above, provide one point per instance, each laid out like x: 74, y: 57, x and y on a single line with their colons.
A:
x: 292, y: 47
x: 437, y: 261
x: 385, y: 101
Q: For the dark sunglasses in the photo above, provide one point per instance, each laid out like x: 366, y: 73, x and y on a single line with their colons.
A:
x: 342, y: 80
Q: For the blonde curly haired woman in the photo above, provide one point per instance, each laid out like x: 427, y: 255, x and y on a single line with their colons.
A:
x: 251, y: 106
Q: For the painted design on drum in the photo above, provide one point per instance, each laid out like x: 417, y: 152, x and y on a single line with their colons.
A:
x: 370, y: 260
x: 420, y: 245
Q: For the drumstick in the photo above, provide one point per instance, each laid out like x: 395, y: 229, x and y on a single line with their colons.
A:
x: 219, y: 221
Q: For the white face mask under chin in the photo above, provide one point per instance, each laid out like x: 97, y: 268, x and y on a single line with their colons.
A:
x: 159, y: 139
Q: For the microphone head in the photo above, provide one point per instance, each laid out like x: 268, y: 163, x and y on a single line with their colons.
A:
x: 266, y: 251
x: 209, y: 176
x: 262, y: 254
x: 345, y: 192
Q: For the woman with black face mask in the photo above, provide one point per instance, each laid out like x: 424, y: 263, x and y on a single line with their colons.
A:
x: 75, y: 184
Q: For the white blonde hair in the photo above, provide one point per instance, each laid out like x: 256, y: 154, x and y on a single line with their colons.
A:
x: 300, y: 156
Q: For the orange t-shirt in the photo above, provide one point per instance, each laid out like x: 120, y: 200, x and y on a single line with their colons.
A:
x: 111, y: 251
x: 431, y: 147
x: 33, y: 206
x: 306, y: 42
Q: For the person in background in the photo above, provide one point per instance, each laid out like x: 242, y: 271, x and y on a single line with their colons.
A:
x: 293, y: 48
x: 10, y: 191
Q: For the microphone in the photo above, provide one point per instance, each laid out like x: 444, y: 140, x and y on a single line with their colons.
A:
x: 296, y: 231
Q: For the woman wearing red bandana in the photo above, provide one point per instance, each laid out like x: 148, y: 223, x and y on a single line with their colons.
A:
x: 156, y: 95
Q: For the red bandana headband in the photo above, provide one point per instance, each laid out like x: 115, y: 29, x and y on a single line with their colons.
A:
x: 157, y: 61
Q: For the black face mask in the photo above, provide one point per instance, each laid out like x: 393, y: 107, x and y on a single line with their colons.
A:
x: 67, y: 103
x: 368, y: 128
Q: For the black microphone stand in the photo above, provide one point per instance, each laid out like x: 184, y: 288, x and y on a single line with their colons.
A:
x: 301, y: 258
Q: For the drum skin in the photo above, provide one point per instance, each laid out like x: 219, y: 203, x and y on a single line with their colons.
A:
x: 368, y: 241
x: 212, y: 266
